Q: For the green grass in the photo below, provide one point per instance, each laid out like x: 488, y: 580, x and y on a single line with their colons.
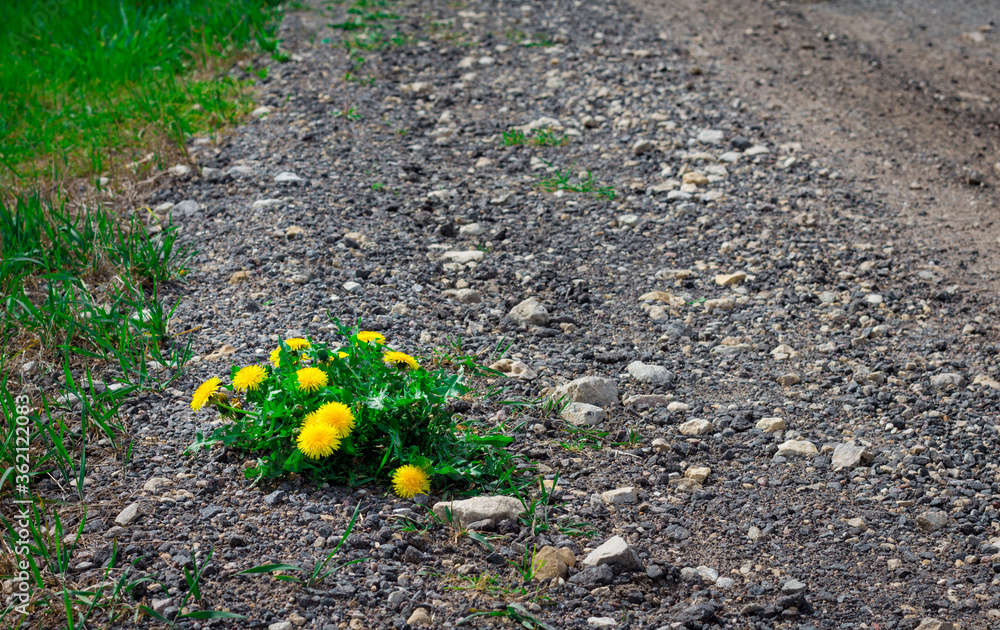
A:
x: 92, y: 81
x: 565, y: 180
x: 544, y: 137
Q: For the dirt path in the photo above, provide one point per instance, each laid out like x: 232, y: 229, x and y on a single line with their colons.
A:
x: 905, y: 92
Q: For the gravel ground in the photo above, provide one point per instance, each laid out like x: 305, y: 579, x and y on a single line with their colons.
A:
x: 812, y: 400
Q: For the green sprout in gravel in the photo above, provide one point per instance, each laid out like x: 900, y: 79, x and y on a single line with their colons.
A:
x: 352, y: 413
x: 564, y: 180
x: 544, y: 137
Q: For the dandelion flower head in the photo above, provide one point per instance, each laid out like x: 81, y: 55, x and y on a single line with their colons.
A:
x: 249, y: 377
x: 409, y: 481
x: 205, y: 392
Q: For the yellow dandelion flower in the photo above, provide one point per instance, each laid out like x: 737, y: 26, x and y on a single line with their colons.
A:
x: 249, y: 377
x: 368, y: 336
x: 204, y: 393
x: 409, y: 481
x: 400, y: 360
x: 311, y: 379
x: 336, y: 415
x: 343, y: 355
x: 296, y: 343
x: 317, y: 440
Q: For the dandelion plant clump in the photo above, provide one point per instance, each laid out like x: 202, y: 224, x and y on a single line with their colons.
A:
x: 353, y: 413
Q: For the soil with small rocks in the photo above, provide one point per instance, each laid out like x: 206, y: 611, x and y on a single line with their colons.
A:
x: 801, y: 430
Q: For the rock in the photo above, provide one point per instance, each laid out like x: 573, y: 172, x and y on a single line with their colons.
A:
x: 642, y: 146
x: 661, y: 446
x: 620, y: 496
x: 754, y: 533
x: 711, y: 136
x: 261, y: 111
x: 683, y: 484
x: 515, y: 369
x: 730, y: 279
x: 650, y: 400
x: 129, y: 515
x: 696, y: 426
x: 530, y: 312
x: 698, y: 473
x: 274, y: 498
x: 550, y: 563
x: 678, y: 407
x: 792, y: 587
x: 211, y: 511
x: 932, y: 520
x: 601, y: 622
x: 695, y: 178
x: 159, y: 605
x: 419, y: 617
x: 352, y: 286
x: 770, y: 425
x: 582, y: 414
x: 239, y: 277
x: 297, y: 619
x: 494, y: 508
x: 784, y: 352
x: 395, y: 598
x: 266, y: 203
x: 982, y: 379
x: 615, y: 551
x: 948, y: 379
x: 153, y: 484
x: 462, y: 257
x: 702, y: 573
x: 465, y: 296
x: 787, y: 380
x: 472, y: 229
x: 650, y: 374
x: 929, y: 623
x: 225, y: 351
x: 798, y: 448
x: 287, y: 178
x: 593, y: 390
x: 849, y: 456
x: 188, y: 208
x: 281, y: 625
x: 590, y: 576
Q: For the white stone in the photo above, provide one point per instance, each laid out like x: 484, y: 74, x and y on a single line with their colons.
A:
x: 650, y: 374
x: 494, y: 508
x: 770, y: 425
x: 601, y: 622
x: 288, y: 178
x: 615, y: 551
x: 515, y: 369
x: 678, y: 407
x: 711, y: 136
x: 620, y: 496
x: 153, y: 484
x: 849, y: 456
x: 593, y: 390
x: 472, y: 255
x: 698, y: 473
x: 696, y: 426
x: 472, y: 229
x: 582, y: 414
x: 798, y: 448
x: 129, y: 515
x: 530, y: 312
x: 352, y: 287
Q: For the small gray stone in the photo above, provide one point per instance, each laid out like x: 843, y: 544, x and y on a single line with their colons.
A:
x: 396, y: 597
x: 188, y: 208
x: 948, y: 379
x: 792, y: 587
x: 288, y: 178
x: 281, y: 625
x: 711, y: 136
x: 601, y: 622
x: 129, y: 515
x: 463, y: 257
x: 798, y: 448
x: 351, y: 287
x: 159, y: 605
x: 620, y: 496
x: 849, y: 456
x: 932, y: 520
x: 582, y: 414
x: 530, y: 312
x: 650, y: 374
x: 593, y: 390
x: 495, y: 508
x: 696, y: 426
x: 615, y: 551
x: 211, y: 511
x: 642, y: 146
x: 274, y: 498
